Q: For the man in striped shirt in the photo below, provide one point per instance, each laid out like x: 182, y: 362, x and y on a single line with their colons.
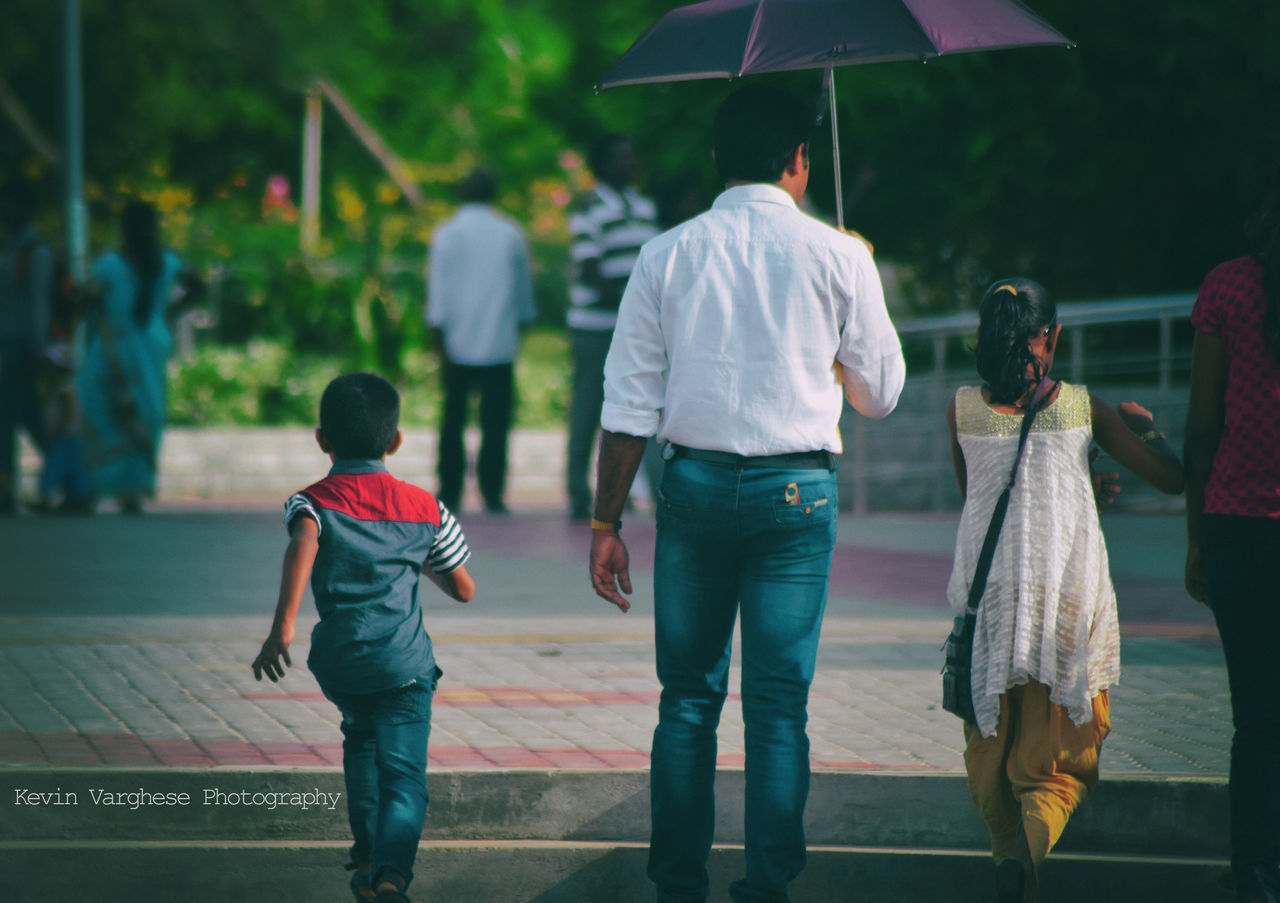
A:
x: 363, y: 538
x: 609, y: 225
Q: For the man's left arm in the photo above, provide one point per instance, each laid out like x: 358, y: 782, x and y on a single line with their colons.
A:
x: 633, y: 395
x: 870, y: 351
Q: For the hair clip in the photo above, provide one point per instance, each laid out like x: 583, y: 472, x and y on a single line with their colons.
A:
x: 1008, y: 288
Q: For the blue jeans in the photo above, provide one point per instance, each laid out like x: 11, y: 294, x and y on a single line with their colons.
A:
x: 736, y: 539
x: 1239, y: 570
x: 384, y: 760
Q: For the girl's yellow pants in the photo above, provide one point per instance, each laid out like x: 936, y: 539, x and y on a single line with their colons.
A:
x: 1036, y: 770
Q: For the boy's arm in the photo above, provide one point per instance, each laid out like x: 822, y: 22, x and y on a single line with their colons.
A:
x: 457, y: 584
x: 304, y: 535
x: 446, y: 560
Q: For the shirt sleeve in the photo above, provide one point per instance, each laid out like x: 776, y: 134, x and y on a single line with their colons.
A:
x: 437, y: 279
x: 300, y: 504
x: 870, y: 354
x: 449, y: 550
x: 1206, y: 314
x: 635, y: 369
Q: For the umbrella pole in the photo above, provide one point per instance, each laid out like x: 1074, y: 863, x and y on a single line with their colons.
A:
x: 830, y: 83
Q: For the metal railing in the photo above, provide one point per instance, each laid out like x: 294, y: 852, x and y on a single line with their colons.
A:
x: 905, y: 460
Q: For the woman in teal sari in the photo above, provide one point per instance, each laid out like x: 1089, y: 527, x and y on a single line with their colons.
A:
x: 127, y: 343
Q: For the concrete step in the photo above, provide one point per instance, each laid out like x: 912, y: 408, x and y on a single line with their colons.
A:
x: 1141, y: 816
x: 561, y: 872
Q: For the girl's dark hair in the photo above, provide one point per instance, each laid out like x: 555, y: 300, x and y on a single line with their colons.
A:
x: 1012, y: 313
x: 143, y: 254
x: 1264, y: 232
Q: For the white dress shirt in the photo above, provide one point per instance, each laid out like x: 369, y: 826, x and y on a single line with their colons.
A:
x: 731, y: 324
x: 479, y: 286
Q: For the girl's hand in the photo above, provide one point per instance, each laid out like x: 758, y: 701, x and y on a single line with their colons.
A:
x: 1106, y: 486
x: 1136, y: 417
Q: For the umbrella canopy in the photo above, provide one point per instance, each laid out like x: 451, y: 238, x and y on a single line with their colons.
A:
x: 731, y: 38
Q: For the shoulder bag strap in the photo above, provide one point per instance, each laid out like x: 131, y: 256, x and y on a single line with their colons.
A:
x: 979, y: 585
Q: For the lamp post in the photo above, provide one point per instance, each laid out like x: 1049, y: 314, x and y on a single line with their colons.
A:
x: 73, y: 157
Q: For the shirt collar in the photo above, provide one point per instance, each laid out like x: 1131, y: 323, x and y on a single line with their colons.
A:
x: 756, y: 192
x: 358, y: 465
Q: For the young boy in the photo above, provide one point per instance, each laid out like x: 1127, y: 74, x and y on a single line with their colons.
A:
x: 363, y: 538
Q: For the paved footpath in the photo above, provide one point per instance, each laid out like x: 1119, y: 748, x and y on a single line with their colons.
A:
x: 125, y: 642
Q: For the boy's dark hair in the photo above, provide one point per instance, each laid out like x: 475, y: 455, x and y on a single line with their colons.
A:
x: 756, y: 131
x: 1012, y: 313
x: 359, y: 415
x: 479, y: 187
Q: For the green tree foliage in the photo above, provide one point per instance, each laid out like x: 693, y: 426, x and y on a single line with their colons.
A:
x: 1126, y: 165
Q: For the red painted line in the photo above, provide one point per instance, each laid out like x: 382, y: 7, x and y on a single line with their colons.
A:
x: 622, y: 758
x: 234, y: 752
x: 67, y: 749
x: 179, y: 752
x: 122, y: 749
x: 571, y: 758
x: 296, y: 755
x: 19, y: 748
x: 125, y: 750
x: 513, y: 757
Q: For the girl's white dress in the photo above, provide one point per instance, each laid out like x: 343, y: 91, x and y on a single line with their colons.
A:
x: 1049, y: 611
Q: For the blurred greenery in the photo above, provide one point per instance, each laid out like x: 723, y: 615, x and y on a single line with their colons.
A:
x: 1124, y: 166
x: 267, y: 383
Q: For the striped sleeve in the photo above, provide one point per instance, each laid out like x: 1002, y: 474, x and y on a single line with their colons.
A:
x: 300, y: 504
x: 449, y: 550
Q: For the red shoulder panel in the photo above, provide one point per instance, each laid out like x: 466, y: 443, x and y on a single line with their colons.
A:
x: 375, y: 497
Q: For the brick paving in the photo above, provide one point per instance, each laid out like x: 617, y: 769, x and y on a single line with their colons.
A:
x: 126, y: 642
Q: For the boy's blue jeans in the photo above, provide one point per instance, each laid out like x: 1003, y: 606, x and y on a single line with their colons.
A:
x: 384, y: 760
x: 758, y: 541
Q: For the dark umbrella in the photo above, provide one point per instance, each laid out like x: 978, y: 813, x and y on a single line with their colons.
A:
x: 732, y: 38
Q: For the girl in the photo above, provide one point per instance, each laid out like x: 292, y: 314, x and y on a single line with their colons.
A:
x: 1046, y: 645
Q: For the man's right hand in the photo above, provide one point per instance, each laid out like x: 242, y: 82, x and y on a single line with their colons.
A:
x: 609, y: 567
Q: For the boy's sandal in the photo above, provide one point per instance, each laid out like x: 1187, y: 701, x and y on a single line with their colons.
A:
x: 391, y: 896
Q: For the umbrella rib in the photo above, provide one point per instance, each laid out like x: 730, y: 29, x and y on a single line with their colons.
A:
x: 751, y: 36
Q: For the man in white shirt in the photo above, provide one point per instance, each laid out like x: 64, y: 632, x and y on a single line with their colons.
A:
x: 746, y: 327
x: 480, y: 293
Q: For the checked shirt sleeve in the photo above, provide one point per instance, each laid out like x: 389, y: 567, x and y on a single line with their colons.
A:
x: 449, y: 551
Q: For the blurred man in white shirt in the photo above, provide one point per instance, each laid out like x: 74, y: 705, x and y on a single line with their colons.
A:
x: 480, y: 293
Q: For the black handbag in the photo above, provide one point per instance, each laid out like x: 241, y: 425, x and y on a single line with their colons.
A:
x: 957, y: 673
